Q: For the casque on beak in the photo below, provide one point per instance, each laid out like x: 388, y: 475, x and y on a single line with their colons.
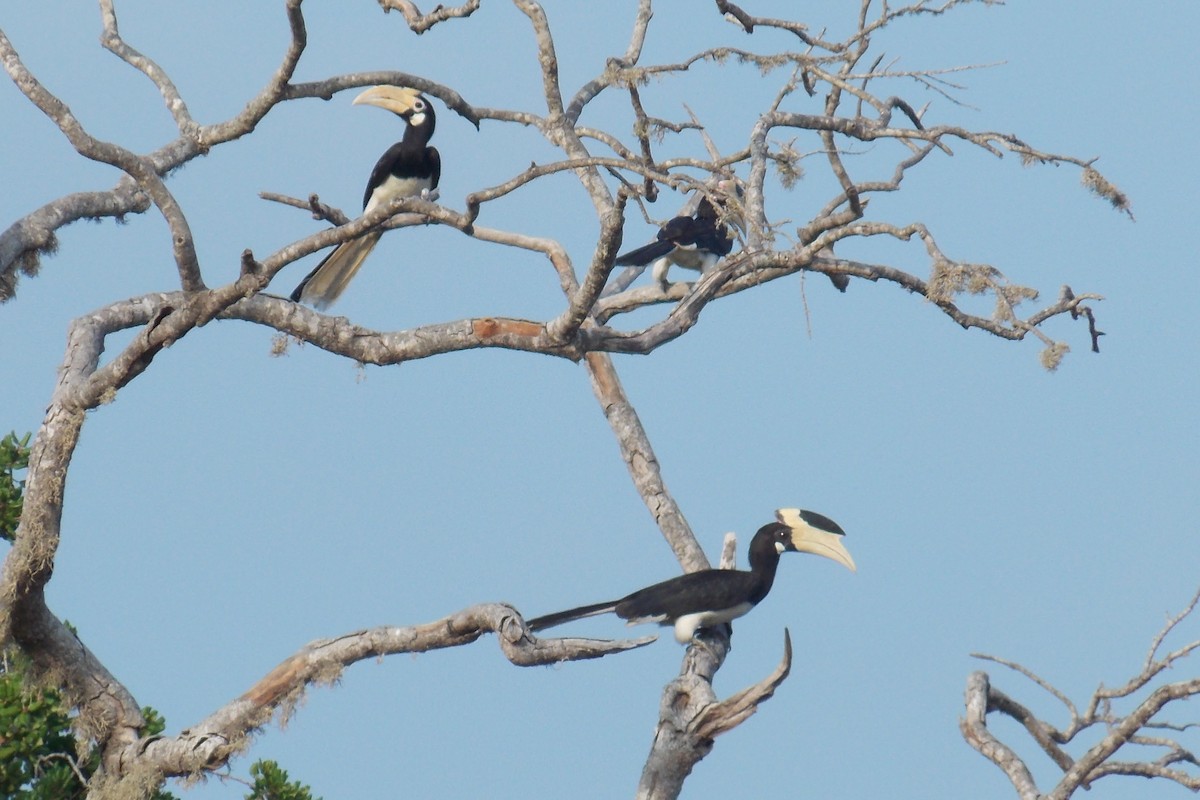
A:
x: 816, y: 534
x: 397, y: 99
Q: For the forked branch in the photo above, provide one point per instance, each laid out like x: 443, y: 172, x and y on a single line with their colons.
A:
x: 1136, y: 721
x: 612, y: 164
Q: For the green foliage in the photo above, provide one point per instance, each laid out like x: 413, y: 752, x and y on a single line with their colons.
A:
x: 14, y: 457
x: 155, y: 724
x: 37, y: 749
x: 271, y: 783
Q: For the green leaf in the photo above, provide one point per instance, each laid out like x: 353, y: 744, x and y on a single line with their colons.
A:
x: 271, y: 783
x: 14, y: 458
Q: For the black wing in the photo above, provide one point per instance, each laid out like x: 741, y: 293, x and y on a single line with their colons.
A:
x: 706, y: 590
x: 401, y: 162
x: 676, y: 231
x: 644, y: 254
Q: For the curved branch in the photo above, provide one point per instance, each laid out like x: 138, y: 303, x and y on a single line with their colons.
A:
x: 108, y: 711
x: 547, y: 57
x: 112, y: 41
x: 34, y: 234
x: 690, y: 716
x: 418, y: 23
x: 21, y: 243
x: 327, y: 88
x: 211, y: 742
x: 558, y: 127
x: 137, y: 167
x: 1119, y: 729
x: 975, y: 730
x: 276, y: 91
x: 726, y: 715
x: 592, y: 89
x: 581, y: 300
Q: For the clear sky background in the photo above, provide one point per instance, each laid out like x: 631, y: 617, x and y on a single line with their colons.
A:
x: 229, y: 507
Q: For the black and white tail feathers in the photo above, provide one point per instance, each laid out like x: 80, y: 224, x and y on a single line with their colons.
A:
x: 329, y: 279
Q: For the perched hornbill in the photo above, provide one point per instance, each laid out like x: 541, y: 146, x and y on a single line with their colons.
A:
x: 697, y: 241
x: 409, y: 168
x: 713, y: 596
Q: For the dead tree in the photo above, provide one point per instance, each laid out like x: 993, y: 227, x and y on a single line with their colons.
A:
x: 1127, y: 719
x: 831, y: 95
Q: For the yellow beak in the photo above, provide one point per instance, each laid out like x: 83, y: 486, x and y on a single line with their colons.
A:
x: 397, y: 99
x: 816, y: 534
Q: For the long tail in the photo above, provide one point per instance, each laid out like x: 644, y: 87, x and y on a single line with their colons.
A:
x: 329, y: 279
x: 644, y: 254
x: 550, y: 620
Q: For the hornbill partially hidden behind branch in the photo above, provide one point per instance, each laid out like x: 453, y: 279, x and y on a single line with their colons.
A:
x: 409, y: 168
x: 713, y: 596
x: 694, y: 241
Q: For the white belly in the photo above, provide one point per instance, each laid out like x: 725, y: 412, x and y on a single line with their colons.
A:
x: 686, y: 626
x: 395, y: 187
x: 691, y: 258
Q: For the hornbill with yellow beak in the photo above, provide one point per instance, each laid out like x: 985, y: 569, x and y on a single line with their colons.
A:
x: 713, y: 596
x: 409, y: 168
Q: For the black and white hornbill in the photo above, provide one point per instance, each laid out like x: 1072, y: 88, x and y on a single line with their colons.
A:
x: 409, y: 168
x: 696, y: 242
x: 714, y: 596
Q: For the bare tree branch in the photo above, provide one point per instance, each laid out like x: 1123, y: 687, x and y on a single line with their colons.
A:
x: 23, y: 241
x: 676, y: 749
x: 112, y: 41
x: 691, y: 717
x: 419, y: 23
x: 975, y: 731
x: 726, y: 715
x: 137, y: 167
x: 1119, y: 729
x: 854, y: 110
x: 642, y: 463
x: 213, y: 740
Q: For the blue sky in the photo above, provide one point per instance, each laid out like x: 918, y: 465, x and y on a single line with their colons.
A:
x: 229, y: 507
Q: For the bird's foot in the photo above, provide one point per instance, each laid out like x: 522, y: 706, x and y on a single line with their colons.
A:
x: 710, y: 638
x: 431, y: 195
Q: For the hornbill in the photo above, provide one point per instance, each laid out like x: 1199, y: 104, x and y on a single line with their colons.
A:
x: 694, y: 242
x: 712, y: 596
x: 409, y: 168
